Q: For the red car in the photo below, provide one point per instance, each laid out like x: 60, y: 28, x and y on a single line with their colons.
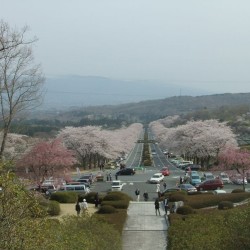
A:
x: 165, y: 171
x: 210, y: 185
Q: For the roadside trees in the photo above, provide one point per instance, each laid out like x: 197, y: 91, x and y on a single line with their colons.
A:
x: 92, y: 144
x: 198, y: 140
x: 21, y: 81
x: 86, y: 143
x: 236, y: 159
x: 46, y: 159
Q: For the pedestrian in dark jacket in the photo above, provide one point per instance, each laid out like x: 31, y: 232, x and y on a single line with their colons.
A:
x: 77, y: 208
x: 96, y: 200
x: 145, y: 196
x: 157, y: 207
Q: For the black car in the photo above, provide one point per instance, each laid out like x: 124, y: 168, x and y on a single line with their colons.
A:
x: 86, y: 182
x: 170, y: 190
x: 126, y: 171
x: 192, y: 167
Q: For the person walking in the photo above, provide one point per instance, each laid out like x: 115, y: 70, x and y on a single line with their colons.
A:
x: 164, y: 185
x: 137, y: 193
x: 158, y: 186
x: 96, y: 200
x: 165, y: 204
x: 77, y: 208
x: 157, y: 206
x: 84, y: 206
x: 145, y: 196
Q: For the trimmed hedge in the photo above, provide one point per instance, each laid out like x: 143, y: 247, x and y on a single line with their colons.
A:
x: 118, y: 200
x: 90, y: 197
x: 64, y: 197
x: 238, y: 190
x: 53, y: 208
x: 116, y: 196
x: 177, y: 196
x: 50, y: 207
x: 184, y: 210
x: 209, y: 200
x: 122, y: 204
x: 223, y: 205
x: 107, y: 209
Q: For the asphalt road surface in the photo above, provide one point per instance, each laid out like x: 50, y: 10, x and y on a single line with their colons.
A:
x: 139, y: 180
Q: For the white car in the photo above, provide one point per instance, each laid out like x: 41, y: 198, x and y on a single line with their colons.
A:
x: 117, y: 185
x: 225, y: 178
x: 156, y: 178
x: 238, y: 179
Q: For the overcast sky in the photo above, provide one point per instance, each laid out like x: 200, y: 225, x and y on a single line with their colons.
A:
x: 196, y: 43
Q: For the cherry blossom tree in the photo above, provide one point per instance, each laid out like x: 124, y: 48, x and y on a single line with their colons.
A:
x: 198, y: 140
x: 92, y: 143
x: 47, y: 158
x: 86, y: 142
x: 235, y: 159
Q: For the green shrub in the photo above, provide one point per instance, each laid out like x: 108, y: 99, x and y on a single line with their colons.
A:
x: 90, y: 197
x: 147, y: 162
x: 184, y: 210
x: 208, y: 200
x: 238, y: 190
x: 223, y: 205
x: 64, y: 197
x: 116, y: 196
x: 121, y: 204
x: 53, y: 208
x: 177, y: 196
x: 106, y: 209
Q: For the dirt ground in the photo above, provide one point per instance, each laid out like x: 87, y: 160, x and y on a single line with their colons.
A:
x: 69, y: 209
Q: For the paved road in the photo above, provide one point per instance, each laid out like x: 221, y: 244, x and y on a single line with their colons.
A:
x: 143, y: 229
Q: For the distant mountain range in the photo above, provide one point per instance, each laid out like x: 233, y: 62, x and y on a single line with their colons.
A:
x: 82, y: 91
x: 100, y: 90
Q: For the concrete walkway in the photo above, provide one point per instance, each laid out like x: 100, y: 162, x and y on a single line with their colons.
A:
x: 143, y: 229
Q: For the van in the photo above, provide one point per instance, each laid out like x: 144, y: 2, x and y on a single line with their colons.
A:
x: 75, y: 188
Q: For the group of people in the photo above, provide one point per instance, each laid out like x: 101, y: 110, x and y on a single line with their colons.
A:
x: 81, y: 206
x: 157, y: 202
x: 145, y: 194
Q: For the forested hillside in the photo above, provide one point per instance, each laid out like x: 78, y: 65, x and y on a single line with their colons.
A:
x: 234, y: 108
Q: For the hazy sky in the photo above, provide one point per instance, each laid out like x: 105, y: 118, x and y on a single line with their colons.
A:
x: 198, y: 43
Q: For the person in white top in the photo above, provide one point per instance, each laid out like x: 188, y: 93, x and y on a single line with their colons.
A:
x: 84, y: 206
x: 158, y: 189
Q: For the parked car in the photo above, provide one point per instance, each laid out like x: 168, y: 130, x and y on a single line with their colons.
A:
x: 194, y: 178
x: 207, y: 176
x: 44, y: 188
x: 75, y: 188
x: 210, y: 185
x: 238, y: 179
x: 183, y: 164
x: 188, y: 188
x: 126, y: 171
x: 84, y: 181
x: 89, y: 177
x: 117, y: 185
x: 192, y: 167
x: 170, y: 190
x: 156, y: 178
x: 219, y: 191
x: 165, y: 171
x: 224, y: 177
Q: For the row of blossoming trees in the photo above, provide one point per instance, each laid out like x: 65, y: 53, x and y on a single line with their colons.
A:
x: 205, y: 142
x: 82, y: 146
